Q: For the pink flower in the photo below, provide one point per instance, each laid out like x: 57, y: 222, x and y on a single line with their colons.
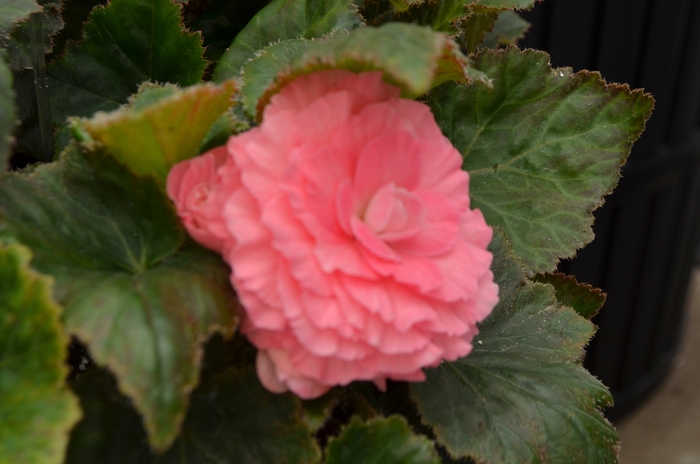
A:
x: 345, y: 218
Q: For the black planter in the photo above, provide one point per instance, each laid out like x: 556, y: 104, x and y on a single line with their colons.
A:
x: 647, y: 232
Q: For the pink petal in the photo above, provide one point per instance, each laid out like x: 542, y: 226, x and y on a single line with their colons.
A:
x: 392, y: 157
x: 267, y: 373
x: 301, y: 92
x: 317, y: 123
x: 293, y: 241
x: 418, y: 272
x: 371, y: 242
x: 441, y: 228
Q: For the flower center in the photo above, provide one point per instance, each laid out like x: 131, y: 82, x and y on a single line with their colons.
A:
x: 394, y: 214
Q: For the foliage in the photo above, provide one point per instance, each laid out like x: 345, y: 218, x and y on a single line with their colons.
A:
x: 128, y: 100
x: 36, y: 409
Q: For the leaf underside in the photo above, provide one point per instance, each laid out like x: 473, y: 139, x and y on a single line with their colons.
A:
x: 410, y: 57
x: 152, y: 136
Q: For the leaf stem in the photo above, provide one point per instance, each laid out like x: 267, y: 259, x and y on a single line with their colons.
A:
x: 41, y: 87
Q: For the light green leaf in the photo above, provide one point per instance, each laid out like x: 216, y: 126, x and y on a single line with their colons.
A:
x: 542, y: 148
x: 411, y: 57
x: 521, y: 395
x: 164, y: 127
x: 582, y: 298
x: 7, y: 114
x: 37, y: 411
x: 141, y: 298
x: 384, y: 440
x: 282, y: 20
x: 508, y: 29
x: 124, y: 44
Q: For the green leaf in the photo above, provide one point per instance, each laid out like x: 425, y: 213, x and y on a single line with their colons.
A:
x: 403, y: 5
x: 164, y: 126
x: 583, y: 298
x: 542, y: 148
x: 475, y: 28
x: 384, y: 440
x: 521, y: 395
x: 282, y: 20
x: 508, y: 29
x: 140, y: 298
x: 411, y: 57
x: 37, y: 411
x: 230, y: 123
x: 7, y: 114
x: 453, y: 17
x: 503, y: 4
x: 145, y: 41
x: 14, y: 11
x: 19, y: 44
x: 233, y: 419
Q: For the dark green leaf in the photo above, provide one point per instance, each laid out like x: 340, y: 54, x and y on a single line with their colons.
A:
x: 141, y: 303
x: 503, y: 4
x: 233, y: 419
x: 521, y: 395
x: 37, y: 411
x: 219, y: 21
x: 411, y: 57
x: 7, y: 114
x: 124, y: 44
x: 475, y: 28
x: 74, y: 14
x: 542, y: 148
x: 453, y: 17
x: 282, y: 20
x: 384, y: 440
x: 19, y: 44
x: 583, y: 298
x: 12, y: 12
x: 164, y: 126
x: 508, y: 29
x: 111, y: 431
x: 316, y: 412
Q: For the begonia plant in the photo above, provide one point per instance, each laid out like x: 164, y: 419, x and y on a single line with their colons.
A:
x: 298, y: 231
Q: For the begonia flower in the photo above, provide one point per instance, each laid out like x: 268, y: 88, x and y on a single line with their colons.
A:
x: 345, y: 217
